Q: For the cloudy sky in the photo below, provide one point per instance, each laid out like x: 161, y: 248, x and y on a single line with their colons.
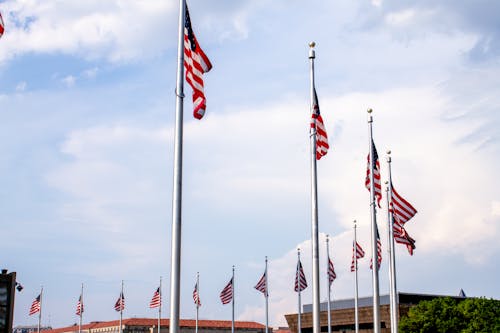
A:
x: 86, y: 152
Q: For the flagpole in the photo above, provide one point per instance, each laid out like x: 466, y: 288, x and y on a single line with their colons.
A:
x: 81, y: 312
x: 159, y: 308
x: 232, y: 303
x: 175, y: 269
x: 121, y: 309
x: 40, y: 312
x: 299, y: 312
x: 267, y: 300
x: 314, y: 206
x: 373, y: 216
x: 392, y: 253
x: 355, y: 257
x: 328, y: 285
x: 197, y: 302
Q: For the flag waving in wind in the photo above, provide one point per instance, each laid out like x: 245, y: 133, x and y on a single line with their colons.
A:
x: 120, y: 303
x: 401, y: 210
x: 300, y: 278
x: 261, y: 285
x: 317, y: 124
x: 358, y: 251
x: 196, y: 295
x: 2, y: 29
x: 35, y: 306
x: 402, y: 237
x: 379, y: 252
x: 226, y: 295
x: 196, y: 64
x: 331, y: 272
x: 376, y: 174
x: 156, y: 300
x: 79, y: 306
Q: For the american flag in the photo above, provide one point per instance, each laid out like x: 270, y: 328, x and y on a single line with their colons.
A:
x: 156, y: 300
x: 226, y: 295
x: 300, y: 278
x: 36, y: 305
x: 120, y: 303
x: 376, y: 174
x: 261, y: 285
x: 2, y: 29
x: 402, y: 237
x: 317, y: 123
x: 79, y: 306
x: 196, y: 295
x: 331, y: 272
x: 359, y: 254
x: 379, y: 251
x: 402, y: 210
x: 196, y: 64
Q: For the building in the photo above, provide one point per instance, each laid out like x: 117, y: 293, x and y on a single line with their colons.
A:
x: 149, y: 325
x: 29, y: 329
x: 342, y: 313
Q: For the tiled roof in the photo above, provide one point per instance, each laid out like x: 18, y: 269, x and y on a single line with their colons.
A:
x: 164, y: 322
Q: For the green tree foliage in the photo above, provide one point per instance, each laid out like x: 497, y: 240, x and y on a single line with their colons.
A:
x: 445, y: 314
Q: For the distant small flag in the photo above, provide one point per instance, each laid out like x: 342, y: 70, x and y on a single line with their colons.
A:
x: 317, y: 123
x: 402, y: 237
x: 376, y: 175
x: 331, y: 272
x: 79, y: 306
x: 356, y: 249
x: 379, y: 252
x: 300, y: 278
x: 156, y: 300
x: 35, y: 306
x: 196, y: 64
x: 226, y: 295
x: 2, y: 26
x: 402, y: 210
x: 261, y: 285
x: 120, y: 303
x: 196, y: 295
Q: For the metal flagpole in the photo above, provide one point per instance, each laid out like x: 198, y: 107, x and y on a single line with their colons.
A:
x: 175, y: 269
x: 121, y: 309
x: 314, y: 206
x: 40, y: 312
x: 355, y: 257
x: 198, y: 297
x: 297, y: 278
x: 328, y: 285
x: 159, y: 309
x: 373, y: 216
x: 81, y: 312
x: 267, y: 299
x: 392, y: 253
x: 232, y: 303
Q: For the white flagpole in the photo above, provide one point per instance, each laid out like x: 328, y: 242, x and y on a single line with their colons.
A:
x: 355, y: 257
x: 297, y: 278
x: 267, y: 299
x: 392, y: 253
x: 175, y: 268
x: 314, y: 207
x: 40, y: 312
x: 121, y: 308
x: 232, y: 303
x: 197, y: 301
x: 159, y: 309
x: 81, y: 312
x: 373, y: 216
x: 328, y: 285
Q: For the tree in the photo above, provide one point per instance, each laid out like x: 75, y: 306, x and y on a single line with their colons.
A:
x: 445, y: 314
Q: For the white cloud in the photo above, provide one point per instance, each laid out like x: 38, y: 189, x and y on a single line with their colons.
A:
x: 69, y: 81
x: 21, y: 86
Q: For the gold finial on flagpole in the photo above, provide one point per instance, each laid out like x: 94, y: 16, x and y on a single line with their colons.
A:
x: 312, y: 44
x: 369, y: 110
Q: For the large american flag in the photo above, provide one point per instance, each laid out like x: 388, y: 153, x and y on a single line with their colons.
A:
x: 120, y: 303
x: 262, y: 285
x: 358, y: 251
x: 331, y: 272
x: 317, y: 123
x: 156, y: 300
x: 402, y: 210
x: 79, y: 306
x: 196, y: 64
x: 226, y: 295
x: 2, y: 26
x: 196, y: 295
x: 300, y: 278
x: 402, y: 237
x: 36, y: 305
x: 376, y: 174
x: 379, y: 251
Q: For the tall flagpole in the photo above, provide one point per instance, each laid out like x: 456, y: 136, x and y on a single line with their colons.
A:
x: 40, y: 312
x: 175, y: 261
x: 267, y: 302
x: 159, y: 309
x: 355, y: 257
x: 81, y: 311
x: 392, y: 253
x: 121, y: 308
x: 373, y: 216
x: 299, y: 312
x: 232, y: 305
x: 197, y: 302
x: 328, y: 285
x: 314, y: 206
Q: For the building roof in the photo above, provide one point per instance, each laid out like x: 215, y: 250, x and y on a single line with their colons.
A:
x: 163, y: 322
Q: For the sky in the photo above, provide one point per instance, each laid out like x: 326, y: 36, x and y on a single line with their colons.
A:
x: 87, y: 103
